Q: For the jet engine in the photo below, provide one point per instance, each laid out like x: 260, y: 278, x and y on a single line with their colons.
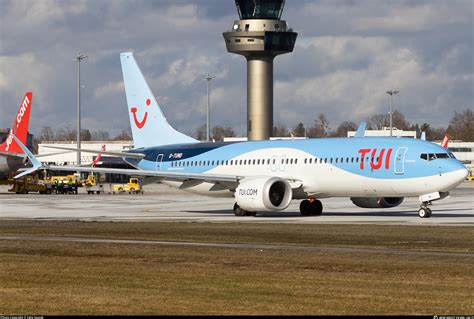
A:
x: 377, y: 202
x: 263, y: 194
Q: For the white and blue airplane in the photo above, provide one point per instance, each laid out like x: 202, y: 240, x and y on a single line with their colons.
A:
x: 374, y: 172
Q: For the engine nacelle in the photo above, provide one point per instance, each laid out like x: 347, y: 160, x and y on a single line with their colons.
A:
x: 263, y: 194
x: 377, y: 202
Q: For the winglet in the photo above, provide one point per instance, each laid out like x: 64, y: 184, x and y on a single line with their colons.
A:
x: 361, y: 130
x: 36, y: 164
x: 423, y: 136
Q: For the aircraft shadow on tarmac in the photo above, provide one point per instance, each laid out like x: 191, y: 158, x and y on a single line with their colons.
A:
x: 291, y: 214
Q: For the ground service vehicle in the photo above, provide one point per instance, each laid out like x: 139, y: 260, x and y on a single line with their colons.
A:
x: 27, y: 185
x: 133, y: 186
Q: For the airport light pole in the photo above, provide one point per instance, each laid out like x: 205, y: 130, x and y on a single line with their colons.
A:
x: 208, y: 78
x: 79, y: 58
x: 391, y: 113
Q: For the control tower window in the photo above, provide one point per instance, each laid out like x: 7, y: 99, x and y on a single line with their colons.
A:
x: 260, y: 9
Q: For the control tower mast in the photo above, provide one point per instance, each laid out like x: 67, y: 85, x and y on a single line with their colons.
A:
x: 260, y: 36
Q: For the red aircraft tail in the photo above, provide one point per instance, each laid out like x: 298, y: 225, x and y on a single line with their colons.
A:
x: 445, y: 141
x: 97, y: 159
x: 19, y: 126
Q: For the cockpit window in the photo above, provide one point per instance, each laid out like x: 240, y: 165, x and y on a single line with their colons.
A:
x: 431, y: 156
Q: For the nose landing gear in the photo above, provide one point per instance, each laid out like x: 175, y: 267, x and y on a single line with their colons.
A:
x: 424, y: 211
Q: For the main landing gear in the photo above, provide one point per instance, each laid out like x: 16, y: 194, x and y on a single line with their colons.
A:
x: 311, y: 207
x: 238, y: 211
x: 424, y: 211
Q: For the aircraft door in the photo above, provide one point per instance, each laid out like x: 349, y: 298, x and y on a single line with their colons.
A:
x: 282, y: 163
x: 159, y: 159
x: 399, y: 167
x: 274, y: 163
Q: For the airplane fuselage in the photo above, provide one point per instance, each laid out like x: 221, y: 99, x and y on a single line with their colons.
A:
x: 326, y: 167
x: 10, y: 164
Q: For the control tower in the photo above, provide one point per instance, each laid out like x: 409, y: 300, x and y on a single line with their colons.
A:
x: 260, y: 36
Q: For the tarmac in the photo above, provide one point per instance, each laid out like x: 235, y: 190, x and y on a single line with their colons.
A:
x: 162, y: 203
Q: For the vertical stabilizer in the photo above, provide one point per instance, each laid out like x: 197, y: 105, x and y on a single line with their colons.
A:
x: 361, y: 130
x: 445, y: 141
x: 149, y: 125
x: 19, y: 126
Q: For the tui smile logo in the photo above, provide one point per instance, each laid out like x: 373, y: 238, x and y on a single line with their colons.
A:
x: 134, y: 110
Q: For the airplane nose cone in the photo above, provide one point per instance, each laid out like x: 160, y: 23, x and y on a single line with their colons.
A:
x: 455, y: 178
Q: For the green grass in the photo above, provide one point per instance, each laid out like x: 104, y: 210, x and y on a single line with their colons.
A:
x: 42, y: 277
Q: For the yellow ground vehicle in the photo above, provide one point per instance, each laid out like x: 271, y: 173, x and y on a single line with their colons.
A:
x: 28, y: 184
x: 91, y: 180
x: 65, y: 178
x: 134, y: 186
x: 470, y: 177
x: 91, y: 185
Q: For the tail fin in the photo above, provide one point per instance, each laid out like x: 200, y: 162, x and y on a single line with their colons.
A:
x: 97, y: 159
x: 19, y: 127
x: 360, y: 130
x: 149, y: 125
x: 445, y: 141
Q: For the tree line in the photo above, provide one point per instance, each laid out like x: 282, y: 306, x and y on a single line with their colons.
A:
x: 461, y: 127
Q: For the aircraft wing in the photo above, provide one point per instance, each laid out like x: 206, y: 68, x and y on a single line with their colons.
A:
x: 174, y: 176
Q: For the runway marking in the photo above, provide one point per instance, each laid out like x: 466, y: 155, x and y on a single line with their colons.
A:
x: 318, y: 249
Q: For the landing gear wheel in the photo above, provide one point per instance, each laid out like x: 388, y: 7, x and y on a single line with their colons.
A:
x: 311, y: 208
x: 239, y: 211
x: 424, y: 212
x: 429, y: 212
x: 305, y: 207
x: 317, y: 208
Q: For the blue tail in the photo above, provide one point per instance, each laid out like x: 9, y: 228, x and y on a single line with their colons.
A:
x: 149, y: 125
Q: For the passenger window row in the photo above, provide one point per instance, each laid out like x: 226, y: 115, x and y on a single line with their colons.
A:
x: 233, y: 162
x: 289, y: 161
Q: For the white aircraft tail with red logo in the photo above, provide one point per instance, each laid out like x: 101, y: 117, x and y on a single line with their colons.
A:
x: 19, y: 127
x: 149, y: 125
x: 445, y: 141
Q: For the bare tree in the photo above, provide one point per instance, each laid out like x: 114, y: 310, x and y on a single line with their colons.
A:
x: 280, y: 130
x: 461, y: 126
x: 100, y: 136
x: 379, y: 121
x: 320, y: 128
x: 86, y: 135
x: 299, y: 130
x: 219, y: 132
x: 46, y: 134
x: 343, y: 128
x: 66, y: 133
x: 200, y: 133
x: 125, y: 135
